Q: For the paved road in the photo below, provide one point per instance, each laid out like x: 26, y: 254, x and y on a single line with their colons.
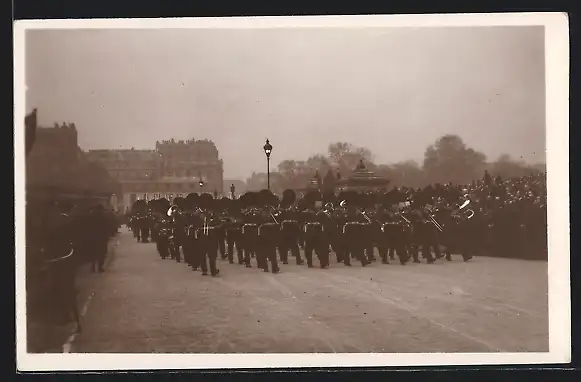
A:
x: 148, y: 305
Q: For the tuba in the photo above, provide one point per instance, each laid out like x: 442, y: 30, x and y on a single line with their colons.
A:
x: 467, y: 213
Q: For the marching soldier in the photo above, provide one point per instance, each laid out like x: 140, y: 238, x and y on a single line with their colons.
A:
x: 250, y: 223
x: 233, y: 230
x: 314, y: 240
x: 268, y: 233
x: 290, y: 229
x: 393, y: 237
x: 354, y: 232
x: 209, y: 236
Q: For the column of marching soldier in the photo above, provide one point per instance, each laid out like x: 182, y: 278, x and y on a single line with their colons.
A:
x: 198, y: 228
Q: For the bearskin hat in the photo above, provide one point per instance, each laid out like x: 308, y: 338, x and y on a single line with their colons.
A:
x: 267, y: 198
x: 180, y: 202
x: 139, y: 206
x: 308, y: 200
x: 162, y: 205
x: 206, y: 201
x: 245, y: 200
x: 289, y: 198
x: 192, y: 200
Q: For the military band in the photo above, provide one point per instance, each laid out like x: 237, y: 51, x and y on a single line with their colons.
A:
x: 350, y: 224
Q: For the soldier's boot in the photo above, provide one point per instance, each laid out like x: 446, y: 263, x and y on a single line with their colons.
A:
x: 427, y: 254
x: 383, y: 255
x: 204, y: 265
x: 347, y: 256
x: 370, y: 254
x: 437, y: 251
x: 415, y: 254
x: 273, y: 261
x: 283, y: 253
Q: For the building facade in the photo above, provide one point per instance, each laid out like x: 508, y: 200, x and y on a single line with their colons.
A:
x: 174, y: 168
x: 56, y: 167
x: 54, y: 156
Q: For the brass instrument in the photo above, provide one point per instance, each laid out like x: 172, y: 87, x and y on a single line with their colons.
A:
x: 430, y: 211
x: 403, y: 217
x: 344, y: 204
x: 171, y: 211
x: 272, y: 214
x: 467, y: 212
x: 364, y: 215
x: 328, y: 208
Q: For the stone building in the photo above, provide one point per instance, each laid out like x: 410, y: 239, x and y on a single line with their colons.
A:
x: 197, y: 159
x: 54, y: 153
x: 174, y: 168
x: 128, y: 165
x: 57, y: 167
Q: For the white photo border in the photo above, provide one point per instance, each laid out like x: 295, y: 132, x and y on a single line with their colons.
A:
x: 557, y: 159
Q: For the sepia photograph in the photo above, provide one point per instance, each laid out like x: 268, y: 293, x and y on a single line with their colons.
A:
x: 292, y: 192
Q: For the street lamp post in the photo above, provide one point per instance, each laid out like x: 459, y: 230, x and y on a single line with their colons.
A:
x: 267, y: 150
x: 232, y: 190
x: 201, y: 183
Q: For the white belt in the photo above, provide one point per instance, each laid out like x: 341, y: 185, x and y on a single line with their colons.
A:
x: 385, y: 225
x: 269, y: 225
x: 351, y: 223
x: 247, y: 225
x: 316, y: 224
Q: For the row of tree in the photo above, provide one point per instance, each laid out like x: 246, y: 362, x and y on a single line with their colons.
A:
x: 447, y: 160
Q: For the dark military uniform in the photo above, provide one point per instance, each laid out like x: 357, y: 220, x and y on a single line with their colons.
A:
x: 354, y: 237
x: 394, y: 231
x: 268, y: 238
x: 314, y: 238
x: 289, y: 239
x: 208, y: 236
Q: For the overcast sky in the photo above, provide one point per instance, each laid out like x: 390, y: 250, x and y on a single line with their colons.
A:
x: 392, y: 90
